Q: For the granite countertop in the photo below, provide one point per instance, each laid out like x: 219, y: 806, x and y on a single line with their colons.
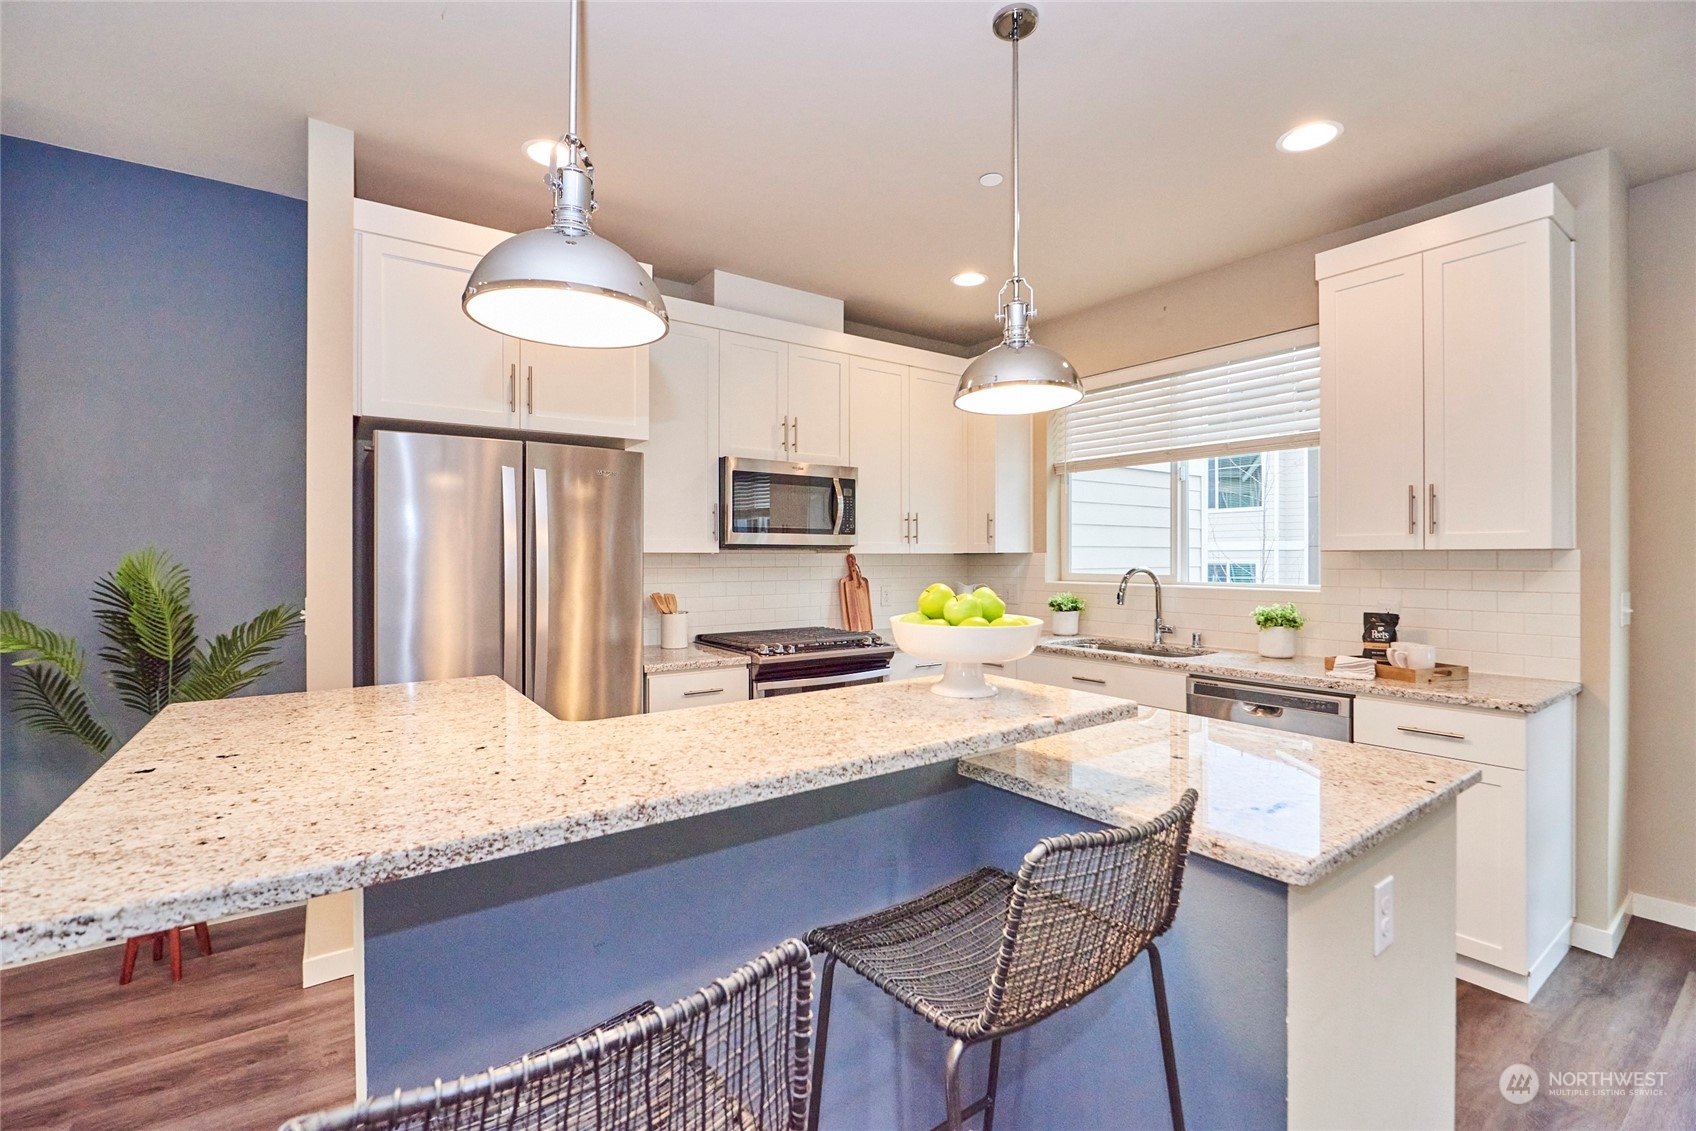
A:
x: 694, y: 658
x: 1516, y: 694
x: 257, y: 802
x: 1285, y: 806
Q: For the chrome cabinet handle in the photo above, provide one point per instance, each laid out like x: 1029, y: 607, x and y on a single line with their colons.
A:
x: 530, y: 390
x: 925, y: 667
x: 915, y: 526
x: 539, y: 664
x: 989, y: 528
x: 1431, y: 508
x: 512, y: 387
x: 1412, y: 508
x: 1089, y: 679
x: 704, y: 691
x: 511, y: 537
x: 786, y: 434
x: 1458, y: 737
x: 795, y: 436
x: 998, y: 667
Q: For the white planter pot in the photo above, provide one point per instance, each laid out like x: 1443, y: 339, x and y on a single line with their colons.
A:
x: 1278, y: 643
x: 1063, y: 624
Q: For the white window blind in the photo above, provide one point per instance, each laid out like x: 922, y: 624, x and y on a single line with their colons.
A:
x: 1261, y: 403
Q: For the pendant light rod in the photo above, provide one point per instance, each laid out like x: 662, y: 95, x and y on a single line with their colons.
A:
x: 1016, y: 29
x: 576, y: 63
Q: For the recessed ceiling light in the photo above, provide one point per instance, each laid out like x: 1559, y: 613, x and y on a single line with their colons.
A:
x: 969, y: 279
x: 541, y: 149
x: 1309, y: 135
x: 990, y: 180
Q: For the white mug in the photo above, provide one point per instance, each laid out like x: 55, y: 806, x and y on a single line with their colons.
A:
x: 1416, y: 656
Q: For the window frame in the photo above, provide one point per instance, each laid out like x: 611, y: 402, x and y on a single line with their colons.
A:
x: 1180, y: 524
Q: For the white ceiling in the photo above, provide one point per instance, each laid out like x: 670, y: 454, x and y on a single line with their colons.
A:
x: 836, y: 146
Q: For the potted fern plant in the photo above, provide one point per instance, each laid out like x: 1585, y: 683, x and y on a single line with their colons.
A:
x: 153, y: 652
x: 1066, y: 607
x: 1278, y: 625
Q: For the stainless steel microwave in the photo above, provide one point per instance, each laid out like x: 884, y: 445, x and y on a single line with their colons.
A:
x: 769, y: 503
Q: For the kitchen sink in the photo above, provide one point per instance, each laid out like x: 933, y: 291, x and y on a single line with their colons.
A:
x: 1130, y: 648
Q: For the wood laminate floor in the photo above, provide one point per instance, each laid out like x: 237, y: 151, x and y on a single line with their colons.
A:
x: 237, y: 1045
x: 1635, y: 1012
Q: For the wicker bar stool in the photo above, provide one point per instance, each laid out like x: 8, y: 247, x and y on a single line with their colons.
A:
x: 993, y: 953
x: 735, y: 1055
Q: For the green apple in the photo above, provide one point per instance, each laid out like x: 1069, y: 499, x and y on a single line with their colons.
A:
x: 994, y: 608
x: 1007, y: 622
x: 934, y: 599
x: 974, y: 622
x: 961, y: 608
x: 937, y: 620
x: 916, y: 618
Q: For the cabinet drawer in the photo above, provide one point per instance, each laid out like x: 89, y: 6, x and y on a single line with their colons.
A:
x: 1492, y: 738
x: 1150, y: 687
x: 667, y: 691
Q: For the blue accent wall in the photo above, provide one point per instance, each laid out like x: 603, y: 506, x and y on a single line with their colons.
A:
x: 478, y: 965
x: 152, y: 390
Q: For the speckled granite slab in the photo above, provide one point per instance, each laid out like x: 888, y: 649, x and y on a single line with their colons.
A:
x: 694, y: 658
x: 1286, y: 806
x: 252, y: 803
x: 1518, y: 694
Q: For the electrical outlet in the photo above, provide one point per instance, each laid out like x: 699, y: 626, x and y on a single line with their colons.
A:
x: 886, y: 596
x: 1383, y: 914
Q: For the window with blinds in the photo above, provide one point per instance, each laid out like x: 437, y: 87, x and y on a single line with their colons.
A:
x: 1202, y: 468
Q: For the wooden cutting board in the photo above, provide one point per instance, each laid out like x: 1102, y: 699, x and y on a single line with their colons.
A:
x: 856, y: 599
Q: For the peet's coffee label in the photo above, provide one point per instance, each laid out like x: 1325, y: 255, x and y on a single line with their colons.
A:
x: 1379, y: 628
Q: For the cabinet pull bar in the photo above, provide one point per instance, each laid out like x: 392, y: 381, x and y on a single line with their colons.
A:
x: 1412, y: 507
x: 989, y: 527
x: 925, y: 667
x: 530, y: 390
x: 512, y: 387
x: 795, y: 432
x: 1456, y: 735
x: 1089, y: 679
x: 915, y: 526
x: 704, y: 691
x: 1431, y: 508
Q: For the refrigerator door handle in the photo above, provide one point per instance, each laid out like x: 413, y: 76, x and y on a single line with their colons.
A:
x: 512, y: 636
x: 539, y: 666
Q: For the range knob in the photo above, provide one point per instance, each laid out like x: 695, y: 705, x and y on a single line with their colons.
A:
x: 763, y: 650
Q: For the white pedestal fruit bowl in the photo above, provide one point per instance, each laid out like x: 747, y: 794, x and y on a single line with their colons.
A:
x: 964, y: 651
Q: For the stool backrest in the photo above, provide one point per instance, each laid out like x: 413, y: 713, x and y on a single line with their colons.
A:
x: 735, y: 1055
x: 1083, y: 907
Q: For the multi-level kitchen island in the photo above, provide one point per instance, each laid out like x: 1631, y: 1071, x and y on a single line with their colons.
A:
x: 524, y: 877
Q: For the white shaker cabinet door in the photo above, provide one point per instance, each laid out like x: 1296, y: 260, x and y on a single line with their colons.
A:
x: 1499, y: 392
x: 877, y: 449
x: 585, y: 392
x: 1372, y: 408
x: 936, y: 464
x: 817, y: 405
x: 680, y: 484
x: 753, y: 375
x: 998, y: 484
x: 1490, y: 873
x: 420, y: 357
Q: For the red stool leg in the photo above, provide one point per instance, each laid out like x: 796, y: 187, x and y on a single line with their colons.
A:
x: 203, y: 938
x: 127, y: 972
x: 176, y: 954
x: 158, y: 945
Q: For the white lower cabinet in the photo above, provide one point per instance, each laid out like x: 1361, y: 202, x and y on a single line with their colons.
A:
x: 902, y: 666
x: 1149, y: 687
x: 668, y: 691
x: 1514, y: 883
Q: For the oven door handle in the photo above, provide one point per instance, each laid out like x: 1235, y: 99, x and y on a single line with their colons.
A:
x: 762, y: 685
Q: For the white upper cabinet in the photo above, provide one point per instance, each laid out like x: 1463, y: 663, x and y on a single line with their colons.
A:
x: 1446, y: 355
x: 936, y: 462
x: 680, y: 480
x: 782, y: 401
x: 877, y: 398
x: 998, y: 484
x: 421, y: 358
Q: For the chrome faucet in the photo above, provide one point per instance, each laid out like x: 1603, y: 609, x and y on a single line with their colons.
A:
x: 1161, y: 628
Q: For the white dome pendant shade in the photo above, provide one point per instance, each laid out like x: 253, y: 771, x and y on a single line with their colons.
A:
x: 1017, y: 377
x: 563, y: 285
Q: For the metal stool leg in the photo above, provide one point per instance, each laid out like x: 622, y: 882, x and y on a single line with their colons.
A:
x: 127, y: 971
x: 819, y: 1042
x: 951, y: 1081
x: 1167, y: 1052
x: 203, y: 938
x: 994, y: 1074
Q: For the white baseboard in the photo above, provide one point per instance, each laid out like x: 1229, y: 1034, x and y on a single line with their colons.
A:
x: 1670, y: 912
x: 327, y: 967
x: 1598, y: 940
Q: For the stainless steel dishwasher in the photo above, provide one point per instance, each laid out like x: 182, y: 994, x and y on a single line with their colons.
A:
x: 1318, y: 713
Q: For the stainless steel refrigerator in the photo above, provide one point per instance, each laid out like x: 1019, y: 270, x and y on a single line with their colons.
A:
x: 509, y: 558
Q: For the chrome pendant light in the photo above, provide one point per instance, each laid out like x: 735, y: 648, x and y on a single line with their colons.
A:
x: 1017, y: 377
x: 563, y: 284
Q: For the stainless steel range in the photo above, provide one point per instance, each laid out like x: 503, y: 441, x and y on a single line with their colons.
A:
x: 784, y: 661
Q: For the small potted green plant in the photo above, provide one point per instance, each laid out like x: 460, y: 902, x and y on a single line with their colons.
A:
x: 1278, y: 625
x: 1066, y: 607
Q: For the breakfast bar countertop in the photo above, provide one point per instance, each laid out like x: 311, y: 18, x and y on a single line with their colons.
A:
x: 262, y: 801
x: 1285, y: 806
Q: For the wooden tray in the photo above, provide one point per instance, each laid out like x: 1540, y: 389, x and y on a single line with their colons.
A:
x: 1419, y: 677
